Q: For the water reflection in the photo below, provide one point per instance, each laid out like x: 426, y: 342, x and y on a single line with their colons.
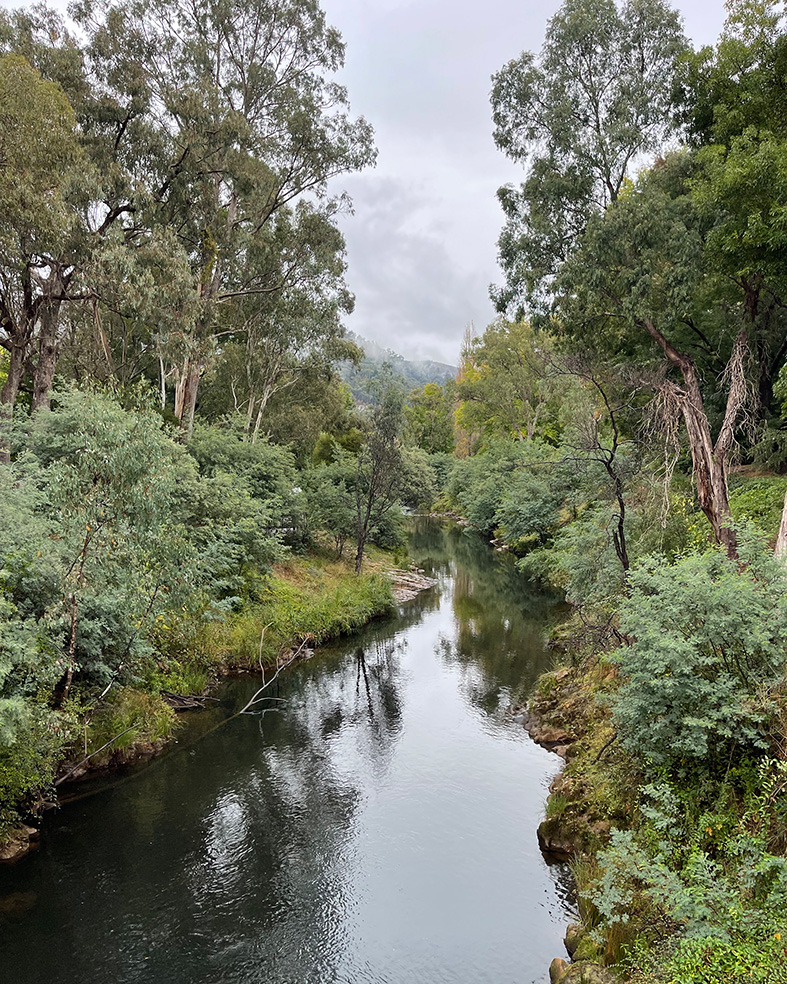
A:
x: 375, y: 824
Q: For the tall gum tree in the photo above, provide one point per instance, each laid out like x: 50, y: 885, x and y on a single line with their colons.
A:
x: 241, y: 121
x: 579, y: 116
x: 40, y: 158
x: 685, y: 268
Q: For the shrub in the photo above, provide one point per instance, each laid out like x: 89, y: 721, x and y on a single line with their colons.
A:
x: 708, y: 644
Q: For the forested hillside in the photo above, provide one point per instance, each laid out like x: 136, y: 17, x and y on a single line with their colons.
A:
x: 363, y: 375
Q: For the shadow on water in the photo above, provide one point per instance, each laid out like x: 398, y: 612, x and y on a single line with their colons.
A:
x: 375, y: 823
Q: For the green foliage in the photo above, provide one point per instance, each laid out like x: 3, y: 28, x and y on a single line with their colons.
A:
x: 330, y: 500
x: 32, y: 742
x: 710, y: 960
x: 596, y: 97
x: 507, y: 386
x: 128, y: 718
x: 420, y: 485
x: 477, y: 485
x: 707, y: 647
x: 429, y: 415
x: 759, y: 501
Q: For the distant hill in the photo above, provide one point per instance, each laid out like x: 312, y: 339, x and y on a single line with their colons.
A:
x: 413, y: 375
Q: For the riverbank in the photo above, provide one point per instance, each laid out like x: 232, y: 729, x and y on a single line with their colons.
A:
x: 586, y: 799
x: 369, y: 824
x: 647, y: 915
x: 308, y: 600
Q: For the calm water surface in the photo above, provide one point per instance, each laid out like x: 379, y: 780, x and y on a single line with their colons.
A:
x: 375, y: 827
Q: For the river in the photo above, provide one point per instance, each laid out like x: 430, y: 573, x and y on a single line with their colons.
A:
x: 375, y: 825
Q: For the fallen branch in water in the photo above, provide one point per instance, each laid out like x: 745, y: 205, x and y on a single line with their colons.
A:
x: 280, y: 666
x: 88, y: 757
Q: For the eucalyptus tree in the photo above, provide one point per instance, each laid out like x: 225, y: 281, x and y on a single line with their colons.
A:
x: 579, y: 116
x: 41, y: 168
x: 380, y: 470
x: 736, y: 117
x: 228, y: 118
x: 429, y: 415
x: 74, y: 243
x: 284, y: 339
x: 507, y: 387
x: 688, y: 268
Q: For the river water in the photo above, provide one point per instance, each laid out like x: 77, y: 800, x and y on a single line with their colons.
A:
x: 376, y: 825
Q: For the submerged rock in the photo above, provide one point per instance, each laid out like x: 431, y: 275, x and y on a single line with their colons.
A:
x: 572, y: 938
x: 16, y: 904
x: 407, y: 585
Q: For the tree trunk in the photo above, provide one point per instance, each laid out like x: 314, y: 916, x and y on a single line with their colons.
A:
x: 709, y: 461
x: 48, y: 351
x: 64, y: 687
x: 16, y: 370
x: 359, y: 552
x: 709, y: 465
x: 162, y: 383
x: 189, y: 400
x: 781, y: 540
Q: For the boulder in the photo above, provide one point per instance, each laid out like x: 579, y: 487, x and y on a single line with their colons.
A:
x: 572, y: 938
x: 555, y: 842
x: 585, y: 972
x: 18, y: 843
x: 557, y: 970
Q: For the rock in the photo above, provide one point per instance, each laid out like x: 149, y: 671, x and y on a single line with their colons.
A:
x: 548, y: 737
x: 586, y: 972
x: 18, y: 843
x: 17, y: 903
x: 555, y: 842
x: 557, y: 970
x: 561, y: 675
x: 407, y: 585
x: 572, y: 937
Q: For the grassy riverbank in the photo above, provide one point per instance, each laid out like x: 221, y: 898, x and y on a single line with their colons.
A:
x: 311, y: 597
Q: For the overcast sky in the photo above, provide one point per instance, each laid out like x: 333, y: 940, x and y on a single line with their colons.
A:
x: 422, y: 242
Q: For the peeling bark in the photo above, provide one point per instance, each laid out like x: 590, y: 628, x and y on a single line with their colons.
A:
x: 710, y: 460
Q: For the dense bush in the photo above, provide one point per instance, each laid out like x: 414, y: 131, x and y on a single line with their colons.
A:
x: 708, y: 643
x: 123, y: 551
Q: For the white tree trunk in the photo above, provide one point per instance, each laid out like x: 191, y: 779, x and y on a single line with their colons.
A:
x: 781, y: 539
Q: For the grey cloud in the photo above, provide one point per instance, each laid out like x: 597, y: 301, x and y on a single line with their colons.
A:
x: 423, y: 242
x: 412, y: 296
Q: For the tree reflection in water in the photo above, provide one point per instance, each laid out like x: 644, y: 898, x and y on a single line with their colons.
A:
x: 366, y: 830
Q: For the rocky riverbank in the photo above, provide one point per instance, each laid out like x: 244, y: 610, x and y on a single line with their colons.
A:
x: 565, y: 717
